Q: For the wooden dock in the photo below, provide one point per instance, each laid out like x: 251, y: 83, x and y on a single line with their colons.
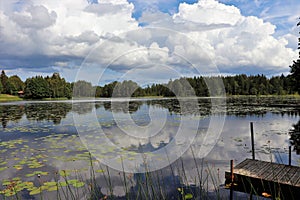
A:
x: 265, y: 178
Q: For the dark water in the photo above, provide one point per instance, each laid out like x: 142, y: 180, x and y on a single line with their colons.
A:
x: 46, y: 142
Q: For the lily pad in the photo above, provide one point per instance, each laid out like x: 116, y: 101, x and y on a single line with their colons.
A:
x: 63, y: 183
x: 64, y: 173
x: 35, y: 191
x: 188, y: 196
x: 52, y: 188
x: 99, y: 171
x: 18, y: 167
x: 3, y: 168
x: 78, y: 184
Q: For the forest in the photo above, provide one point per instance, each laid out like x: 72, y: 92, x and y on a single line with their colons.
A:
x: 55, y: 86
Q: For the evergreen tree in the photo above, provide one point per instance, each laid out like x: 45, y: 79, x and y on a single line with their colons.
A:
x: 58, y: 86
x: 295, y: 71
x: 37, y: 88
x: 1, y: 88
x: 4, y: 82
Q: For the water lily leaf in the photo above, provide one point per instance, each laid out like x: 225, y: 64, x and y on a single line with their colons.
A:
x: 29, y: 175
x: 36, y: 173
x: 27, y: 185
x: 72, y: 181
x: 3, y: 163
x: 78, y: 184
x: 99, y: 171
x: 18, y: 167
x: 63, y: 183
x: 35, y: 191
x: 9, y: 193
x: 52, y: 188
x: 22, y: 162
x: 16, y: 179
x: 35, y: 165
x: 41, y: 173
x: 64, y: 173
x: 51, y: 183
x: 188, y: 196
x: 6, y: 182
x: 3, y: 168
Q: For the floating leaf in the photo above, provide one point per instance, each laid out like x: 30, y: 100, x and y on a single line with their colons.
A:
x: 37, y: 173
x: 18, y: 167
x: 41, y: 173
x: 99, y: 171
x: 78, y: 184
x: 64, y: 173
x: 188, y: 196
x: 16, y: 179
x: 9, y: 193
x: 63, y: 183
x: 3, y: 163
x: 22, y: 162
x: 35, y: 191
x: 26, y: 184
x: 72, y: 181
x: 3, y: 168
x: 52, y: 188
x: 29, y: 175
x: 52, y: 183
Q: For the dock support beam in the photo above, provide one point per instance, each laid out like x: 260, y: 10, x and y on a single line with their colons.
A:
x: 232, y: 179
x: 252, y: 140
x: 290, y: 155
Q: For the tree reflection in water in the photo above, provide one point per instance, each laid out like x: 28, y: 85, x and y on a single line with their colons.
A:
x: 295, y: 137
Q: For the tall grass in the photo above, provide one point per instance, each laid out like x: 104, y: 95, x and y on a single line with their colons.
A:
x: 172, y: 182
x: 149, y: 186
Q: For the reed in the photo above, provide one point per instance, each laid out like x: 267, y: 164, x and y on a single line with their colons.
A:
x: 157, y: 185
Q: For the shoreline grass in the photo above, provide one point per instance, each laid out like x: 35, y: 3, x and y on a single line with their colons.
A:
x: 7, y: 98
x: 267, y: 95
x: 55, y: 99
x: 12, y: 98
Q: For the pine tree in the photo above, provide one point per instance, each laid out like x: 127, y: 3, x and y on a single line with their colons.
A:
x: 295, y: 70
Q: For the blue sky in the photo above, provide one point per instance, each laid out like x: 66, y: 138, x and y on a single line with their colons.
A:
x: 277, y: 12
x: 170, y: 6
x: 152, y: 40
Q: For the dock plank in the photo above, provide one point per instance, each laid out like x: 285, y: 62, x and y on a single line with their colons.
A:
x: 285, y: 173
x: 295, y: 178
x: 245, y: 164
x: 290, y: 174
x: 275, y: 173
x: 260, y: 170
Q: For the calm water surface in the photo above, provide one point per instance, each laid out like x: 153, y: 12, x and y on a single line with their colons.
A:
x: 39, y: 141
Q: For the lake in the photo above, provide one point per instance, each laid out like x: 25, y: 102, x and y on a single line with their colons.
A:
x: 123, y: 145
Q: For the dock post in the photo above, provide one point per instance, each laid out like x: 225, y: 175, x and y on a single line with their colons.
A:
x: 252, y: 140
x: 232, y: 179
x: 290, y: 155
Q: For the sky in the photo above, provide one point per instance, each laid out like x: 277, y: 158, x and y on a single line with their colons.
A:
x: 147, y: 41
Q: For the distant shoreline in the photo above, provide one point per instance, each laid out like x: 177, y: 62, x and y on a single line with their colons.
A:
x: 11, y: 98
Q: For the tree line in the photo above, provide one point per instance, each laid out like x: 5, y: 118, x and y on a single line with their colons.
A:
x: 55, y: 86
x: 37, y: 87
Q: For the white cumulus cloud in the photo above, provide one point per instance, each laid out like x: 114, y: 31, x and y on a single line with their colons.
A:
x: 43, y: 34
